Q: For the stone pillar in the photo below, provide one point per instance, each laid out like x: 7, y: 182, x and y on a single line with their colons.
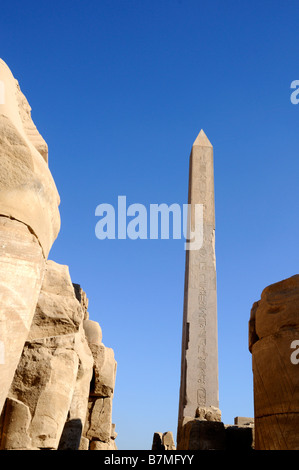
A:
x: 99, y: 429
x: 274, y: 344
x: 199, y: 362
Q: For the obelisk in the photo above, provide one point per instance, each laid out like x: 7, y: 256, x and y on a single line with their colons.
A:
x: 199, y: 361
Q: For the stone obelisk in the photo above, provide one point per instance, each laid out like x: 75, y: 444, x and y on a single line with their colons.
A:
x: 199, y: 362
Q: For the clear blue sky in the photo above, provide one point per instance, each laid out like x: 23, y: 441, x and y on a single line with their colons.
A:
x: 120, y: 90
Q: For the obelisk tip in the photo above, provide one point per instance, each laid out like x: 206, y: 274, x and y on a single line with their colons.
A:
x: 202, y: 140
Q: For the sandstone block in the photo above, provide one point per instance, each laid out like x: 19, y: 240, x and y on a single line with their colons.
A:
x: 93, y: 332
x: 113, y: 432
x: 273, y: 328
x: 98, y: 445
x: 56, y: 370
x: 196, y: 434
x: 84, y: 443
x: 21, y: 273
x: 56, y: 351
x: 168, y: 441
x: 210, y: 413
x: 243, y: 421
x: 104, y: 370
x: 44, y: 381
x: 27, y: 189
x: 73, y: 428
x: 15, y: 428
x: 29, y: 222
x: 51, y: 354
x: 98, y: 425
x: 58, y: 312
x: 239, y: 438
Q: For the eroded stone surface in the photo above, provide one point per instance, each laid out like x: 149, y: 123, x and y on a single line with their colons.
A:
x: 210, y: 413
x: 104, y: 370
x: 199, y: 361
x: 99, y: 429
x: 197, y: 434
x: 58, y: 312
x: 15, y: 428
x: 273, y: 329
x: 46, y: 380
x: 49, y: 398
x: 21, y: 274
x: 99, y: 422
x: 168, y: 441
x: 27, y: 190
x: 29, y: 222
x: 98, y: 445
x: 163, y: 441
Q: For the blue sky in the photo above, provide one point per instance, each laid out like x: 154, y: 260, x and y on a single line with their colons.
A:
x: 120, y: 90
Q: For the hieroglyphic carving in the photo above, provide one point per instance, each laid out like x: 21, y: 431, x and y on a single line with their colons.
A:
x: 199, y: 369
x: 201, y: 351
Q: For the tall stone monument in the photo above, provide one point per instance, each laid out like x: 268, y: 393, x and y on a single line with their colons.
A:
x: 199, y: 362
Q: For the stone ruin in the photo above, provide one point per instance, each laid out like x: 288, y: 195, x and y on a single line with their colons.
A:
x: 57, y: 378
x: 163, y: 441
x: 273, y: 339
x: 274, y: 345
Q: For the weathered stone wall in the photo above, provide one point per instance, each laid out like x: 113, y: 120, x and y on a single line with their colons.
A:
x: 56, y: 376
x: 273, y: 339
x: 99, y: 431
x: 29, y: 222
x: 48, y: 404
